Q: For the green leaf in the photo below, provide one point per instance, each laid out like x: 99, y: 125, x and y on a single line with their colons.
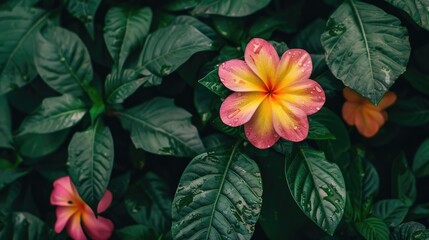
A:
x: 119, y: 88
x: 90, y: 160
x: 179, y: 5
x: 363, y: 55
x: 63, y: 61
x: 417, y: 9
x: 409, y: 230
x: 135, y: 232
x: 373, y: 228
x: 18, y: 28
x: 159, y: 127
x: 22, y: 225
x: 8, y: 176
x: 125, y: 30
x: 84, y: 11
x: 418, y: 80
x: 231, y: 131
x: 212, y: 82
x: 200, y: 26
x: 54, y: 114
x: 148, y: 202
x: 421, y: 160
x: 162, y: 54
x: 392, y: 211
x: 5, y: 125
x: 39, y: 145
x: 403, y: 181
x: 218, y: 197
x: 203, y: 102
x: 309, y: 37
x: 410, y: 111
x: 318, y: 131
x: 231, y: 8
x: 317, y: 186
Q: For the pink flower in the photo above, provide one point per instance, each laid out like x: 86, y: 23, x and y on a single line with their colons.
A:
x: 73, y: 213
x: 272, y: 96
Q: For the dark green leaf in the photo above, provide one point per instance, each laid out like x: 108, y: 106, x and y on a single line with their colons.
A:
x: 136, y: 232
x: 408, y: 231
x: 309, y: 37
x: 18, y: 28
x: 5, y: 124
x: 233, y: 29
x: 119, y: 185
x: 392, y: 211
x: 214, y: 84
x: 125, y: 30
x: 366, y: 57
x: 417, y: 9
x: 317, y: 186
x: 218, y: 197
x: 159, y: 127
x: 84, y: 11
x: 148, y: 202
x: 179, y: 5
x: 54, y: 114
x: 410, y: 111
x: 39, y: 145
x: 421, y: 160
x: 373, y: 228
x: 403, y: 181
x: 418, y: 80
x: 318, y: 131
x: 330, y: 84
x: 11, y: 4
x: 419, y: 211
x: 162, y: 54
x: 22, y: 225
x: 231, y: 131
x: 231, y: 8
x: 90, y: 159
x: 200, y: 26
x: 203, y: 101
x: 62, y: 60
x: 8, y: 176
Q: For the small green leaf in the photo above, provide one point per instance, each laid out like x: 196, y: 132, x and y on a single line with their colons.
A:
x: 373, y: 228
x: 403, y: 181
x: 135, y: 232
x: 162, y: 54
x: 318, y: 131
x: 90, y: 159
x: 125, y: 30
x: 421, y: 160
x: 231, y: 8
x: 54, y: 114
x: 39, y: 145
x: 408, y: 230
x: 364, y: 56
x: 63, y: 61
x: 218, y: 197
x: 410, y: 111
x: 392, y: 211
x: 148, y: 202
x: 214, y: 84
x: 8, y: 176
x: 417, y: 9
x: 317, y: 186
x: 84, y: 11
x: 159, y: 127
x: 18, y: 27
x: 5, y: 124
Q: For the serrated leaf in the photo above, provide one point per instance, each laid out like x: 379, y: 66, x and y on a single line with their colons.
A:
x: 63, y: 61
x: 421, y: 160
x: 410, y: 111
x: 408, y: 230
x: 366, y: 48
x: 392, y: 211
x: 373, y: 228
x: 90, y: 160
x: 159, y: 127
x: 8, y: 176
x: 84, y: 11
x: 212, y: 82
x: 148, y: 202
x: 163, y: 54
x: 135, y: 232
x: 5, y: 125
x: 125, y: 30
x: 18, y: 27
x: 317, y: 186
x: 119, y: 88
x: 39, y: 145
x: 318, y: 131
x: 403, y: 181
x: 218, y: 197
x: 417, y: 9
x: 231, y: 8
x: 54, y: 114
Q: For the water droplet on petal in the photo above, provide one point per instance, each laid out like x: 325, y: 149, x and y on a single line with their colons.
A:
x: 275, y: 135
x: 223, y: 65
x: 233, y: 114
x: 222, y: 80
x: 257, y: 47
x: 317, y: 108
x: 235, y: 120
x: 311, y: 92
x: 318, y: 89
x: 239, y: 94
x: 295, y: 127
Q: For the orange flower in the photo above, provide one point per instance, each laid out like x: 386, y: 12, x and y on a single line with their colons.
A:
x: 272, y: 96
x: 367, y: 117
x: 72, y: 210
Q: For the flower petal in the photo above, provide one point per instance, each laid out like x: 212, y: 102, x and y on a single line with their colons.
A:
x: 352, y: 96
x: 104, y: 202
x: 63, y: 215
x: 238, y: 108
x: 349, y: 112
x: 236, y: 75
x: 62, y: 192
x: 388, y: 99
x: 97, y: 228
x: 368, y: 122
x: 262, y: 58
x: 290, y: 122
x: 74, y: 228
x: 305, y: 94
x: 294, y: 65
x: 259, y: 130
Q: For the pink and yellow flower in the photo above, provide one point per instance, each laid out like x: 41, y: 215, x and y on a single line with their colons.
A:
x: 272, y: 96
x: 73, y: 213
x: 367, y: 117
